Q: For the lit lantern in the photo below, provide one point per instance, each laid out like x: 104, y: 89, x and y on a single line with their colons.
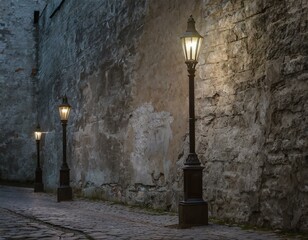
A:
x: 191, y: 42
x: 193, y: 210
x: 64, y: 109
x: 38, y: 133
x: 65, y: 192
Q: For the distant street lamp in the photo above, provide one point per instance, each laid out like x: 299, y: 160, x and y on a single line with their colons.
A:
x: 193, y: 210
x: 38, y: 184
x: 64, y: 191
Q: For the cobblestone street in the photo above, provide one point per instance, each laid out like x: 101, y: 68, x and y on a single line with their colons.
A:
x: 28, y: 215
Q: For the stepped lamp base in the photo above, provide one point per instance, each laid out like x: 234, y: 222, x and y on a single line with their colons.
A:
x: 193, y: 213
x: 38, y: 187
x: 65, y: 193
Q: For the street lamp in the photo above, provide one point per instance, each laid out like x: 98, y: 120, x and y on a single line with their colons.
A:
x: 64, y: 191
x: 193, y: 210
x: 38, y: 184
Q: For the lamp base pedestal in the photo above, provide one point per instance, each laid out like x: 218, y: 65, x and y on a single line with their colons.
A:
x: 38, y: 187
x: 65, y: 193
x: 193, y: 213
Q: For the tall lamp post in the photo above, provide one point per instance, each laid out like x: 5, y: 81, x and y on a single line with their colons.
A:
x: 64, y: 191
x: 193, y: 210
x: 38, y: 184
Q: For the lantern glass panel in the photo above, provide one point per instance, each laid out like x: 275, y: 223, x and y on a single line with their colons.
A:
x: 191, y: 47
x: 64, y: 111
x: 37, y: 135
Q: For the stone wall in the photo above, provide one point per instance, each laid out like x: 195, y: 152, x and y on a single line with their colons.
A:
x: 123, y: 142
x: 120, y: 63
x: 17, y: 89
x: 252, y: 108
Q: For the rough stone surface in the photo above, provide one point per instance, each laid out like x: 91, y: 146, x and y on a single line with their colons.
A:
x: 28, y: 215
x: 120, y: 63
x: 17, y: 89
x: 123, y: 142
x: 252, y: 108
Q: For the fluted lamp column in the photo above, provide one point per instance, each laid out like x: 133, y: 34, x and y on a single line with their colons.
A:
x: 64, y: 190
x: 193, y: 210
x: 38, y: 183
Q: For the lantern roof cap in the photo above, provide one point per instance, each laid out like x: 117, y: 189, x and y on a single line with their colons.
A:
x: 38, y: 128
x: 64, y: 102
x: 191, y: 30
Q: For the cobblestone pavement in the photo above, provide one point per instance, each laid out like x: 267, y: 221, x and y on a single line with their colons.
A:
x: 28, y: 215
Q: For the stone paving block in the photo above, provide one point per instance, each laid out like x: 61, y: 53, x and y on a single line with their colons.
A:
x: 41, y: 217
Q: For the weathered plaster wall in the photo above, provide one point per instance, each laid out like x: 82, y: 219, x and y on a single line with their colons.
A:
x: 86, y: 52
x: 17, y: 89
x: 121, y: 66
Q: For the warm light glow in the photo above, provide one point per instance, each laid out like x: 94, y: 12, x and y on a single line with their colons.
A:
x: 37, y: 135
x: 64, y: 109
x: 191, y: 42
x: 64, y: 112
x: 191, y: 48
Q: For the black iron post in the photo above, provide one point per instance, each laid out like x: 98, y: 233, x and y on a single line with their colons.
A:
x: 193, y: 210
x: 64, y: 191
x: 192, y: 157
x: 38, y: 184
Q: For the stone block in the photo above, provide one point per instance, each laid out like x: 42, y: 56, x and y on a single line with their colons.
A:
x: 121, y: 65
